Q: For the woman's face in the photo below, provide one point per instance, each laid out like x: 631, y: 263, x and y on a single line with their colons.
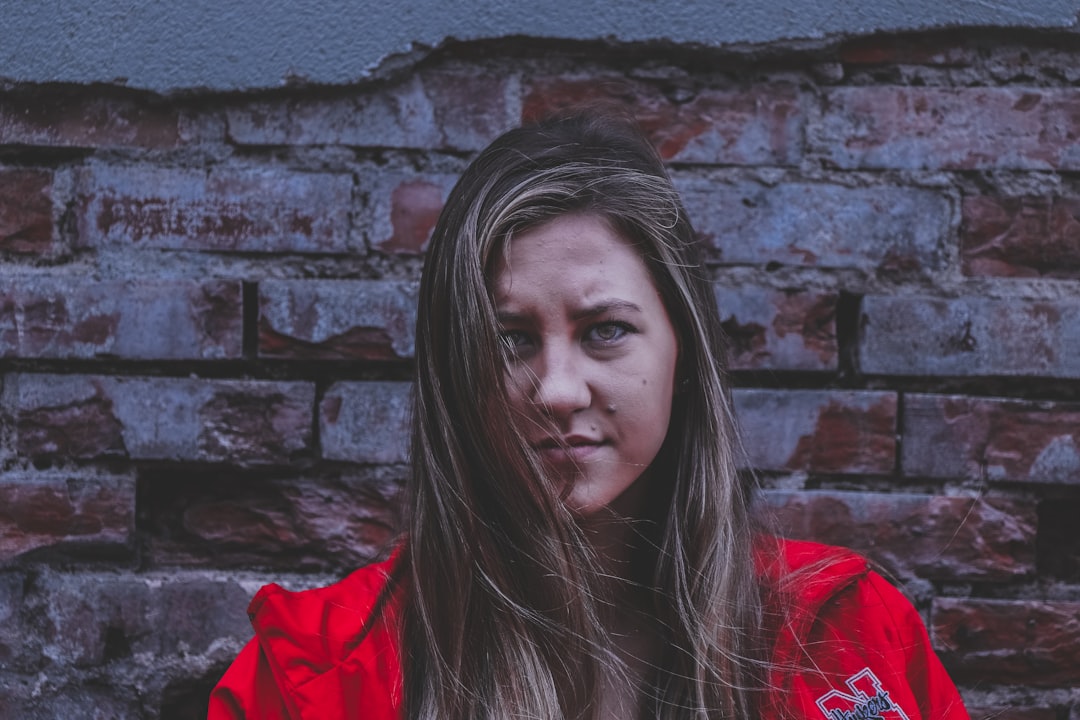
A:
x: 592, y: 355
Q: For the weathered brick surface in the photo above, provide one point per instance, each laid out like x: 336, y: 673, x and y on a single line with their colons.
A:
x: 239, y: 421
x: 26, y: 212
x: 91, y: 619
x: 819, y: 224
x: 824, y: 431
x: 224, y: 210
x: 222, y: 519
x: 1021, y: 236
x: 935, y: 537
x: 1013, y: 642
x: 337, y: 319
x: 1024, y: 128
x: 955, y: 436
x: 402, y: 210
x: 27, y: 698
x: 977, y: 712
x: 59, y: 117
x: 761, y: 127
x: 20, y: 650
x: 438, y: 109
x: 173, y: 313
x: 969, y: 336
x: 365, y: 422
x: 779, y: 330
x: 41, y: 510
x: 70, y: 317
x: 909, y: 50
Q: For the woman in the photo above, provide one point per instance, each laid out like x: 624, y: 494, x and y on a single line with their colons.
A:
x: 578, y: 544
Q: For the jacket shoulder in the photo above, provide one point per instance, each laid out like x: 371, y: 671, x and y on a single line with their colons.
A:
x: 318, y: 651
x: 321, y: 625
x: 781, y: 562
x: 841, y: 633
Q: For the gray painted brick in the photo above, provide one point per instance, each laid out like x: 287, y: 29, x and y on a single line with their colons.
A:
x: 948, y: 436
x: 825, y: 431
x: 777, y: 330
x: 70, y: 317
x: 237, y: 421
x: 51, y: 509
x: 730, y: 127
x: 437, y: 109
x: 969, y: 336
x: 402, y: 209
x: 1023, y: 128
x: 819, y: 224
x: 365, y: 422
x: 222, y: 210
x: 337, y: 319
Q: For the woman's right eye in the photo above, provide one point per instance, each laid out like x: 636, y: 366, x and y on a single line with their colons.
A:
x: 514, y: 340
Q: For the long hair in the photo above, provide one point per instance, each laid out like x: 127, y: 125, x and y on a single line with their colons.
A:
x: 501, y: 617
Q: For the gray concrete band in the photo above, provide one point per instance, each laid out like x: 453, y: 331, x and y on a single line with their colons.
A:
x: 252, y: 44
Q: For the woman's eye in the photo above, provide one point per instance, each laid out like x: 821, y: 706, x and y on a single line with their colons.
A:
x: 514, y: 340
x: 609, y: 331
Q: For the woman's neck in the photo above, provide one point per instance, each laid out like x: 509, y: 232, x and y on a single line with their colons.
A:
x: 626, y: 556
x: 620, y: 537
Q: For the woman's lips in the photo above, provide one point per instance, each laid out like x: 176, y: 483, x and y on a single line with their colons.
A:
x: 570, y: 451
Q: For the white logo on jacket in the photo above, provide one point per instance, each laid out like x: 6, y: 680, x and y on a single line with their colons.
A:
x: 868, y: 700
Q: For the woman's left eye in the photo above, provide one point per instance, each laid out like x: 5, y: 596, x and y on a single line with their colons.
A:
x: 609, y: 331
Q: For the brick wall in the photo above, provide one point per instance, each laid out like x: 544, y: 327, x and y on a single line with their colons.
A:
x: 206, y: 308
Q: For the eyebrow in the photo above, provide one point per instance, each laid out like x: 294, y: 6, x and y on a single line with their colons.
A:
x: 601, y: 308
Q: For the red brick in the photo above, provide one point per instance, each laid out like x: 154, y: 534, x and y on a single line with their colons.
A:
x: 26, y: 212
x: 1011, y: 642
x: 970, y: 128
x: 969, y: 336
x: 779, y: 330
x: 69, y: 317
x: 937, y: 51
x: 821, y: 431
x: 759, y: 127
x: 270, y: 209
x: 236, y: 421
x: 927, y: 536
x: 819, y: 224
x: 955, y: 436
x: 39, y: 510
x: 1021, y: 236
x: 337, y: 319
x: 365, y: 422
x: 403, y: 209
x: 460, y: 108
x: 89, y: 118
x: 224, y: 519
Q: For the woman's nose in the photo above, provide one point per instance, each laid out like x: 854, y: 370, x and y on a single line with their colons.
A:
x: 561, y: 387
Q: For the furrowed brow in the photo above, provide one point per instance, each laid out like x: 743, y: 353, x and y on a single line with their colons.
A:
x: 605, y: 307
x: 510, y: 318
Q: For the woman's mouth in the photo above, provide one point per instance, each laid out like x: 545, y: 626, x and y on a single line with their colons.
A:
x: 570, y: 450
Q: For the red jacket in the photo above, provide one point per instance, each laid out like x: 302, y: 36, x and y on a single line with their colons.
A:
x: 852, y: 648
